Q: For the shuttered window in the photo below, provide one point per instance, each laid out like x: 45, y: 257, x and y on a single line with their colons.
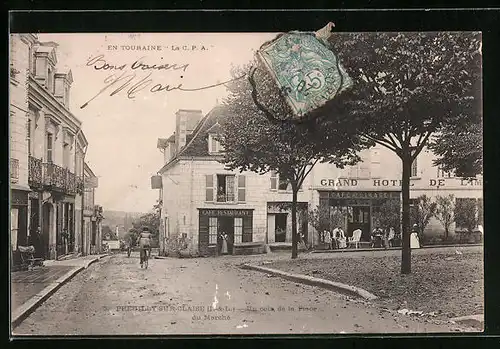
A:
x: 247, y: 229
x: 241, y: 188
x: 209, y: 196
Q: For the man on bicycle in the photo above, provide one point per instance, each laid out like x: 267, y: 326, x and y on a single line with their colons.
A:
x: 145, y: 243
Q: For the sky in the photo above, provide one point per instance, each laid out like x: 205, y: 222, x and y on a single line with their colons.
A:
x: 122, y: 132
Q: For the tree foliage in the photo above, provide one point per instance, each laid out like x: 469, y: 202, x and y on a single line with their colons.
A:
x: 407, y: 86
x: 319, y: 218
x: 389, y: 215
x: 254, y: 143
x: 150, y: 220
x: 108, y: 233
x: 422, y: 212
x: 445, y: 212
x: 466, y: 214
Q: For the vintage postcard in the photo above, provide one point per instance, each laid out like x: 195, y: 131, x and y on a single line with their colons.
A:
x: 171, y: 183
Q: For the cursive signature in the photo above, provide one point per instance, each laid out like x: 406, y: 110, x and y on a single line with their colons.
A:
x: 129, y: 83
x: 99, y: 63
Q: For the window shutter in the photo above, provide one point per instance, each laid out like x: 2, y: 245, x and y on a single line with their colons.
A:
x: 241, y: 188
x: 209, y: 188
x: 247, y: 229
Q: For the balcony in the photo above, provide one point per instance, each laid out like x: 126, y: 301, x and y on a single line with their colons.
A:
x: 79, y: 184
x: 14, y: 170
x: 59, y: 179
x: 35, y: 172
x: 225, y: 197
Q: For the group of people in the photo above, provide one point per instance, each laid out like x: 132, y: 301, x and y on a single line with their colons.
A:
x: 336, y: 238
x: 381, y: 238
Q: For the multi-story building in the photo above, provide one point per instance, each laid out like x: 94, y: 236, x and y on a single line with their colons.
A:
x: 92, y: 215
x: 47, y: 150
x: 200, y: 198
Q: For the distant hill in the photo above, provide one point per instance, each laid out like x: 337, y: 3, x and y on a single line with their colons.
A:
x: 121, y: 219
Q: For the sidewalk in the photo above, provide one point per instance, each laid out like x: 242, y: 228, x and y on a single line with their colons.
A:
x: 31, y: 288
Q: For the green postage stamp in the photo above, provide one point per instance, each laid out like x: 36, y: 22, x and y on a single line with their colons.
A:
x: 305, y: 69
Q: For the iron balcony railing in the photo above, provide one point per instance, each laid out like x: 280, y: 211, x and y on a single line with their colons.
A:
x: 35, y: 173
x: 14, y: 170
x: 59, y: 179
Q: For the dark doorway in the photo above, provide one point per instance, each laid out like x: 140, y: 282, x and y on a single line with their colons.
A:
x: 226, y: 225
x: 47, y: 222
x: 280, y: 227
x: 360, y: 219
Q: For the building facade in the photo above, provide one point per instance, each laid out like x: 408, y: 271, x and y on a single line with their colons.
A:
x: 92, y: 215
x: 47, y: 151
x: 201, y: 199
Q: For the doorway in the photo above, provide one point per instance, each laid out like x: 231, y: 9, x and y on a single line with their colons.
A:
x: 226, y: 225
x: 46, y: 224
x: 359, y: 218
x: 280, y: 227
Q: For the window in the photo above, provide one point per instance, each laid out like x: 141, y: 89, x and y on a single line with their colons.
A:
x: 50, y: 80
x: 214, y: 145
x: 414, y: 168
x: 238, y: 230
x: 443, y: 174
x: 225, y: 188
x: 274, y: 180
x: 66, y: 96
x: 50, y: 143
x: 66, y: 155
x: 282, y: 183
x: 212, y: 230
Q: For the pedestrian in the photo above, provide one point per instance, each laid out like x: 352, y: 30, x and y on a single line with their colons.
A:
x: 224, y: 243
x: 390, y: 236
x: 414, y: 241
x: 339, y: 236
x: 328, y: 239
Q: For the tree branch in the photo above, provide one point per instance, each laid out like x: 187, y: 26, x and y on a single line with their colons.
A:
x: 259, y: 105
x: 382, y: 142
x: 421, y: 145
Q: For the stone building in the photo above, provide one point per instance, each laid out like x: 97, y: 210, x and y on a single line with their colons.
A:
x: 200, y: 199
x: 47, y: 153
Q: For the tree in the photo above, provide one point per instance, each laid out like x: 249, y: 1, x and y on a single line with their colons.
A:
x: 422, y: 212
x: 466, y: 214
x: 131, y: 236
x: 407, y: 86
x: 389, y: 215
x: 319, y: 218
x: 150, y: 220
x: 108, y: 233
x: 445, y: 212
x: 253, y: 142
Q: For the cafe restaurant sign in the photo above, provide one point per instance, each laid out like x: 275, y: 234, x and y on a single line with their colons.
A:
x: 225, y: 213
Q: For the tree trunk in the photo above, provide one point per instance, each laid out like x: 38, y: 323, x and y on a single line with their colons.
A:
x: 405, y: 233
x: 295, y: 239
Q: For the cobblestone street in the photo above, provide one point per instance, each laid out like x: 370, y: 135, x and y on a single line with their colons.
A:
x: 177, y: 296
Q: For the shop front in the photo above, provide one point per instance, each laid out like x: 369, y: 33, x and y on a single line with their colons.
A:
x: 216, y: 225
x: 18, y: 222
x: 357, y: 209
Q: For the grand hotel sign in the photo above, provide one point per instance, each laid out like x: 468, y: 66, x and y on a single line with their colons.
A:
x: 395, y: 184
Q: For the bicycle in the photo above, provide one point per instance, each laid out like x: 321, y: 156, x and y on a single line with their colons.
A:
x: 144, y: 257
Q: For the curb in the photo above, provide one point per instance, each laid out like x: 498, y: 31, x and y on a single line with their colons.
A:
x: 309, y: 280
x: 27, y: 308
x: 34, y: 302
x: 389, y: 248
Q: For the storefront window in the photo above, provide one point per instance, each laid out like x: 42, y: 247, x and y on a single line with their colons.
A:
x: 238, y: 230
x: 212, y: 231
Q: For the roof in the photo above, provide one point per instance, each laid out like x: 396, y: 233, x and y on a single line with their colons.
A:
x: 87, y: 168
x: 163, y: 142
x: 197, y: 145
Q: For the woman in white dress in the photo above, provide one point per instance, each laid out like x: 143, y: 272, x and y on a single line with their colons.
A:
x: 414, y: 243
x: 224, y: 249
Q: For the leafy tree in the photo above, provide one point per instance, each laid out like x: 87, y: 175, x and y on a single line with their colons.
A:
x: 253, y: 142
x: 466, y: 214
x: 422, y: 212
x: 408, y: 86
x: 445, y: 212
x: 150, y: 220
x: 131, y: 236
x: 319, y: 218
x: 389, y: 215
x: 108, y: 233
